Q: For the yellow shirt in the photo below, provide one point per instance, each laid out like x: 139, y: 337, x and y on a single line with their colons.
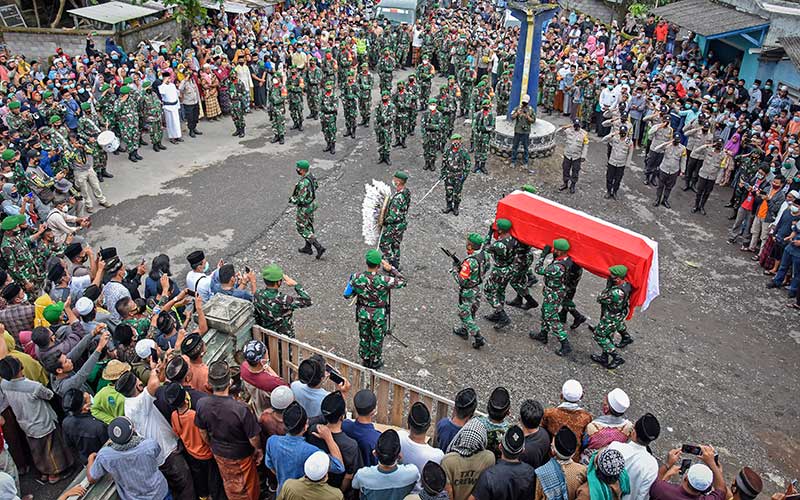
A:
x: 30, y: 367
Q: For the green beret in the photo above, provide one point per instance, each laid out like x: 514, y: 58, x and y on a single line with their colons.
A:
x: 124, y: 90
x: 350, y: 73
x: 561, y: 244
x: 53, y: 312
x: 86, y: 106
x: 54, y: 118
x: 127, y: 80
x: 14, y: 105
x: 104, y: 87
x: 329, y: 83
x: 451, y: 77
x: 619, y: 271
x: 475, y: 239
x: 278, y: 74
x: 302, y: 165
x: 386, y: 93
x: 12, y: 222
x: 364, y: 66
x: 481, y: 83
x: 146, y: 84
x: 401, y: 175
x: 486, y: 102
x: 432, y: 100
x: 8, y: 154
x: 505, y: 72
x: 528, y: 188
x: 455, y: 137
x: 401, y: 83
x: 485, y: 78
x: 272, y: 272
x: 47, y: 94
x: 503, y: 224
x: 373, y: 257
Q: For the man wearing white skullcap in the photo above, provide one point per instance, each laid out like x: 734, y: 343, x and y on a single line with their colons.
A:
x: 313, y: 484
x: 703, y: 480
x: 569, y: 413
x: 611, y: 426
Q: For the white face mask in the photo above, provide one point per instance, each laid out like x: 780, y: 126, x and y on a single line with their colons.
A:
x: 205, y: 267
x: 24, y: 297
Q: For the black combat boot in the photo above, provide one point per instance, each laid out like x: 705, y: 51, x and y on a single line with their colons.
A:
x: 455, y: 208
x: 333, y: 148
x: 461, y: 332
x: 191, y: 133
x: 565, y: 348
x: 601, y: 358
x: 492, y: 317
x: 578, y: 320
x: 306, y: 249
x: 540, y: 336
x: 273, y: 141
x: 530, y: 303
x: 132, y: 157
x: 608, y: 195
x: 346, y: 133
x: 281, y: 139
x: 161, y: 146
x: 318, y: 246
x: 143, y: 142
x: 478, y: 341
x: 502, y: 320
x: 381, y: 159
x: 138, y: 156
x: 156, y: 148
x: 625, y: 341
x: 517, y: 302
x: 666, y: 202
x: 327, y: 147
x: 236, y: 133
x: 448, y: 208
x: 377, y: 364
x: 572, y: 188
x: 104, y: 173
x: 615, y: 361
x: 403, y: 143
x: 388, y: 160
x: 563, y: 187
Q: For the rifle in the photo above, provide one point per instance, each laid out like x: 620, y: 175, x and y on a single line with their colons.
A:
x: 389, y: 321
x: 489, y: 235
x: 456, y: 260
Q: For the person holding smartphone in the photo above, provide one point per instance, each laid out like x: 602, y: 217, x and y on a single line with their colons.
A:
x: 701, y: 480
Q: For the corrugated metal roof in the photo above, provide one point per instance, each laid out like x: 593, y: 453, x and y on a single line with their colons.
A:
x: 230, y: 7
x: 791, y: 44
x: 708, y: 18
x: 112, y: 12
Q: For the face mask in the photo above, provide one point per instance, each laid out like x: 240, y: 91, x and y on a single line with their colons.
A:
x: 760, y: 175
x: 81, y: 91
x: 687, y: 106
x: 794, y: 209
x: 114, y: 57
x: 205, y: 267
x: 24, y: 297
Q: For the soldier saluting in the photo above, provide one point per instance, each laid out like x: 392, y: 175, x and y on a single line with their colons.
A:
x: 553, y: 294
x: 394, y: 223
x: 614, y: 303
x: 372, y: 306
x: 274, y: 310
x: 469, y: 276
x: 304, y: 198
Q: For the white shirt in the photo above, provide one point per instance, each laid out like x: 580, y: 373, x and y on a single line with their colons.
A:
x: 201, y: 286
x: 607, y: 98
x: 642, y: 468
x: 418, y: 454
x: 169, y: 93
x: 150, y: 423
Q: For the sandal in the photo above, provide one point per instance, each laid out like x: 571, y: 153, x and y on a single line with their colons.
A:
x: 793, y: 305
x: 769, y: 273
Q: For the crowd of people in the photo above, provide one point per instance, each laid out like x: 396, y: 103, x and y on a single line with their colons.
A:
x: 97, y: 350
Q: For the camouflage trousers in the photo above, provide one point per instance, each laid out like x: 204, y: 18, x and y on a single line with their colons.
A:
x: 371, y: 331
x: 412, y: 119
x: 425, y: 92
x: 391, y: 237
x: 481, y: 146
x: 329, y: 127
x: 304, y: 222
x: 364, y: 104
x: 130, y: 136
x: 386, y: 82
x: 464, y: 104
x: 350, y: 114
x: 156, y: 131
x: 278, y: 119
x: 519, y: 282
x: 237, y: 113
x: 469, y: 300
x: 449, y: 123
x: 312, y: 97
x: 502, y: 107
x: 608, y: 325
x: 296, y: 110
x: 549, y: 98
x: 452, y: 189
x: 384, y: 136
x: 495, y: 287
x: 551, y: 320
x: 568, y: 306
x: 401, y: 126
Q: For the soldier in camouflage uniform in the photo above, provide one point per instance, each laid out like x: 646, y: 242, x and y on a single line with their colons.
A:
x: 571, y: 280
x: 88, y: 129
x: 469, y: 276
x: 590, y: 97
x: 522, y: 276
x: 385, y: 69
x: 502, y: 92
x: 313, y: 87
x: 483, y: 123
x: 329, y: 67
x: 425, y: 73
x: 553, y: 294
x: 11, y: 158
x: 277, y: 109
x: 350, y: 92
x: 296, y: 85
x: 105, y: 105
x: 372, y: 291
x: 273, y: 309
x: 432, y: 123
x: 403, y: 45
x: 446, y: 106
x: 466, y: 80
x: 329, y: 108
x: 365, y: 83
x: 455, y: 169
x: 502, y: 252
x: 153, y: 114
x: 384, y: 118
x: 18, y: 121
x: 413, y: 90
x: 394, y: 222
x: 453, y: 95
x: 18, y: 255
x: 126, y: 116
x: 304, y: 198
x: 50, y: 107
x: 403, y: 110
x: 549, y: 87
x: 614, y: 303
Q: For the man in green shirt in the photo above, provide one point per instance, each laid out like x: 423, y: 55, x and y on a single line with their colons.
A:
x: 314, y: 483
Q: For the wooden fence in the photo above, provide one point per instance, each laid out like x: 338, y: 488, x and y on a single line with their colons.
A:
x: 394, y: 396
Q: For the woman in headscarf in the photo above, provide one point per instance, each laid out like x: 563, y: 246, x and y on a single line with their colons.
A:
x: 591, y: 44
x: 210, y: 85
x: 466, y: 456
x: 606, y: 477
x: 731, y: 149
x: 223, y: 73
